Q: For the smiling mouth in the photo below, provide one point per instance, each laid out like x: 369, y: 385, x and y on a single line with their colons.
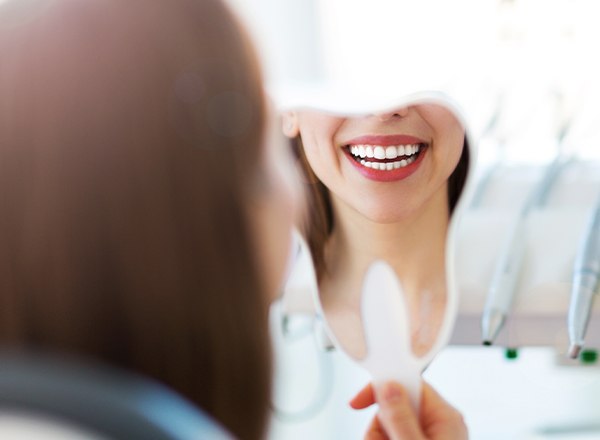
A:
x: 385, y: 158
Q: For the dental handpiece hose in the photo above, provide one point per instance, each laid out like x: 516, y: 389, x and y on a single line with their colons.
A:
x: 504, y: 281
x: 506, y: 274
x: 586, y: 281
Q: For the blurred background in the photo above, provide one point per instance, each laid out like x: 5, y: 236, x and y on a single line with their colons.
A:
x: 523, y: 69
x: 526, y: 76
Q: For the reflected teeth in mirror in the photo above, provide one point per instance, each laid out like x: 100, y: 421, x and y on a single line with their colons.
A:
x: 391, y: 153
x: 387, y: 166
x: 380, y: 152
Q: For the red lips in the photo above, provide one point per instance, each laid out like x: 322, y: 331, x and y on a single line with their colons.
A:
x: 387, y: 175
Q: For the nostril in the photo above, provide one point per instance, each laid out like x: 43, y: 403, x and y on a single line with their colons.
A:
x: 396, y: 113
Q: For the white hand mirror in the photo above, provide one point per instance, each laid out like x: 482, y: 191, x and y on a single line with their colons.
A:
x: 384, y: 190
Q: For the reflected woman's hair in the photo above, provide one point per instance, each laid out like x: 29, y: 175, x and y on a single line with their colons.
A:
x: 130, y: 134
x: 320, y: 219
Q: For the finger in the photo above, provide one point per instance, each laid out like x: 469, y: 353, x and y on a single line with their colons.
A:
x: 439, y: 419
x: 364, y: 398
x: 434, y: 404
x: 432, y: 395
x: 376, y: 431
x: 396, y: 414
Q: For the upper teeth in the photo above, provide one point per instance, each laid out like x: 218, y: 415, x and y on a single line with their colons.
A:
x: 380, y: 152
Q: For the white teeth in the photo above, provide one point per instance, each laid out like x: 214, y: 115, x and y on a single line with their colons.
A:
x: 379, y: 153
x: 391, y: 153
x: 407, y: 152
x: 387, y: 166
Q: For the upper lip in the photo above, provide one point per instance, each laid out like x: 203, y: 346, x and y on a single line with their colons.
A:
x: 386, y: 140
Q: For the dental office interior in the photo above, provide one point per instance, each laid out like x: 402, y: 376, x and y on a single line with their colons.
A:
x: 520, y: 361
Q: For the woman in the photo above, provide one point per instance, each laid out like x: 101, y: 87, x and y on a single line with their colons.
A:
x: 383, y: 186
x: 143, y: 222
x: 135, y: 190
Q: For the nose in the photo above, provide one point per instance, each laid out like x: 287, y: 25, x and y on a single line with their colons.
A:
x: 396, y: 113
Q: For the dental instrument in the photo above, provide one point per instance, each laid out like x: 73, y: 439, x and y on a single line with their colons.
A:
x: 506, y: 274
x: 586, y: 281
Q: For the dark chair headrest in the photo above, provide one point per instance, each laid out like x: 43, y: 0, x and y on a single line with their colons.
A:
x: 100, y: 399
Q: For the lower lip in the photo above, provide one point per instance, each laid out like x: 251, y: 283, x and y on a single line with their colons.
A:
x: 387, y: 175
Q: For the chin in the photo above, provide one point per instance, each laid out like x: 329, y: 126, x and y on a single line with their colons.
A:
x: 389, y: 214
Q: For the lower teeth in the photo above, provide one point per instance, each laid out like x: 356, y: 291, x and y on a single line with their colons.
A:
x: 388, y: 165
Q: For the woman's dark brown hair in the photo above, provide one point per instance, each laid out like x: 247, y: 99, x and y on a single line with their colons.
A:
x: 130, y: 132
x: 318, y: 224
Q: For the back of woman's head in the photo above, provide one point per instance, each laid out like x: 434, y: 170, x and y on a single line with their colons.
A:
x: 130, y: 132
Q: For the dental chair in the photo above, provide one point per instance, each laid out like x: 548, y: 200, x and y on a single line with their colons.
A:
x: 43, y: 397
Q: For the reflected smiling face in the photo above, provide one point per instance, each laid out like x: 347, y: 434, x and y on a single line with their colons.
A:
x: 387, y: 166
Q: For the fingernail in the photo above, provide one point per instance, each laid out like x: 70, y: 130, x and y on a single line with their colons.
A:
x: 391, y: 393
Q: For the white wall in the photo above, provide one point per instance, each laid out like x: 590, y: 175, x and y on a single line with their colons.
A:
x: 533, y: 59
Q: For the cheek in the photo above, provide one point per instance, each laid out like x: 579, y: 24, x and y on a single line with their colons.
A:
x: 279, y: 207
x: 317, y: 132
x: 449, y: 132
x: 450, y: 148
x: 455, y: 150
x: 317, y: 161
x: 277, y: 247
x: 324, y: 163
x: 272, y: 227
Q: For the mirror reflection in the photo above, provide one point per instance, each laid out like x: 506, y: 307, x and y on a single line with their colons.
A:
x: 381, y: 186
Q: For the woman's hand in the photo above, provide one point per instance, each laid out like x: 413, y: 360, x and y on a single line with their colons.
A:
x: 396, y: 419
